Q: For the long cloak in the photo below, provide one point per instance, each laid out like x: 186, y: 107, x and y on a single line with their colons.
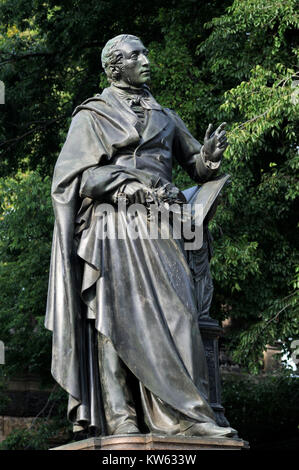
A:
x: 159, y: 350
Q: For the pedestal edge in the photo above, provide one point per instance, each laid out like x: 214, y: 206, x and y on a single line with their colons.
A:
x: 154, y: 442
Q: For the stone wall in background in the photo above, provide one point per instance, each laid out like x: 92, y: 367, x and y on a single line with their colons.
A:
x: 11, y: 423
x: 26, y: 397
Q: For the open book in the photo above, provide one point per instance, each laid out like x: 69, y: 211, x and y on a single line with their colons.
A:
x: 206, y: 194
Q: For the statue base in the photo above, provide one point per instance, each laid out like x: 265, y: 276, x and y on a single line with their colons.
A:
x: 153, y: 442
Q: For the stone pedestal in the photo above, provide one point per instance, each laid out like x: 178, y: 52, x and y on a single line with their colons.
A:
x: 151, y: 442
x: 210, y: 332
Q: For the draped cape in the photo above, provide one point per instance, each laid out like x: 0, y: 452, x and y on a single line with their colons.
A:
x: 97, y: 132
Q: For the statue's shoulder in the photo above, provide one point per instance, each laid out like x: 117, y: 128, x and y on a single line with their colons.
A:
x: 171, y: 112
x: 173, y: 116
x: 97, y: 103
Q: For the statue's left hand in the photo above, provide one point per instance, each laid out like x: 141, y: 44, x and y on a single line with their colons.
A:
x: 215, y: 143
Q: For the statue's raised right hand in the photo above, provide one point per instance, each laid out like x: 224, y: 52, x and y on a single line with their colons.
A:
x: 215, y: 143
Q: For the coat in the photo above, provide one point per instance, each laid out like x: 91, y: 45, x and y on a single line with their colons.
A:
x: 103, y: 146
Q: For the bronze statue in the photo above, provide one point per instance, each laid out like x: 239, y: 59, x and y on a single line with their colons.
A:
x: 122, y: 311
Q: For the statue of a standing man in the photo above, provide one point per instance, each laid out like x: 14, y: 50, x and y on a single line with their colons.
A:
x: 123, y: 311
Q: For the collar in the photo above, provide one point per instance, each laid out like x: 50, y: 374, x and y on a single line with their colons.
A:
x: 134, y: 95
x: 132, y: 89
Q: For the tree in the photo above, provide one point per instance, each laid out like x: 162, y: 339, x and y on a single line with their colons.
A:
x: 228, y: 60
x: 251, y: 54
x: 25, y: 244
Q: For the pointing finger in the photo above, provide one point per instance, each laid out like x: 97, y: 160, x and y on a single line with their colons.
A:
x: 220, y: 128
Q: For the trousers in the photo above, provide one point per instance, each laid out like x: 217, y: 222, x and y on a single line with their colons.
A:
x: 118, y: 386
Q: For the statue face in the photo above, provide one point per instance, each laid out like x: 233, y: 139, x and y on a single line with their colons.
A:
x: 135, y: 69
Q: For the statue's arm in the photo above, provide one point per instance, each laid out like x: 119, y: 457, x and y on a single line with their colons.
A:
x: 96, y: 184
x: 200, y: 161
x: 105, y: 183
x: 82, y: 149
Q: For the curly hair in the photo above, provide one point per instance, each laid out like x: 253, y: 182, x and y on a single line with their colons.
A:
x: 112, y: 56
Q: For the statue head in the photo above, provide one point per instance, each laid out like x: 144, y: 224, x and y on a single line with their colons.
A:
x: 124, y: 59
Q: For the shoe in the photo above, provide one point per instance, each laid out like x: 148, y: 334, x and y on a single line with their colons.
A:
x: 210, y: 430
x: 126, y: 428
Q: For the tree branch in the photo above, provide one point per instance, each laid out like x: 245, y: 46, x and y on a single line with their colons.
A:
x: 14, y: 57
x: 32, y: 131
x: 275, y: 317
x: 44, y: 407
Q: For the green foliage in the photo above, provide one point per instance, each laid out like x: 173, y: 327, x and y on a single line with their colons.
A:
x: 24, y: 439
x: 50, y: 63
x: 35, y: 438
x: 44, y: 431
x: 257, y: 257
x: 215, y: 61
x: 264, y: 410
x: 26, y: 224
x: 250, y: 33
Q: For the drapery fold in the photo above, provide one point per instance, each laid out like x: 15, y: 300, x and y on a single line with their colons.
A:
x: 154, y: 269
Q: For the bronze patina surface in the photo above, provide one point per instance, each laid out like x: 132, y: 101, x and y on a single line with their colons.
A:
x: 123, y: 312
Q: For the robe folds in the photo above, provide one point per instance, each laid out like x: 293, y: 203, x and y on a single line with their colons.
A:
x: 138, y: 293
